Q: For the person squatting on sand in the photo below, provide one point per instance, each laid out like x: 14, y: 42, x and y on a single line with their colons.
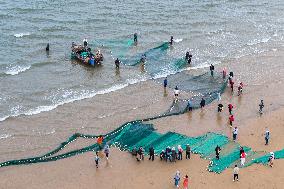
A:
x: 220, y: 107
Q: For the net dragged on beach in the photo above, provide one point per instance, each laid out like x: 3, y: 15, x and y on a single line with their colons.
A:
x: 137, y: 133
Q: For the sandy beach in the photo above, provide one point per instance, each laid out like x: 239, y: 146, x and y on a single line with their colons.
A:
x: 147, y: 99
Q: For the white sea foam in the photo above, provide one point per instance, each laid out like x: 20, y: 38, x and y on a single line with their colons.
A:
x: 17, y: 69
x: 85, y: 95
x: 177, y: 40
x: 3, y: 136
x: 22, y: 34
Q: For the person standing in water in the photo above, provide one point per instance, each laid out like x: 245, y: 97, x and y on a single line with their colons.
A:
x: 135, y: 38
x: 261, y: 106
x: 202, y: 103
x: 177, y: 179
x: 187, y: 55
x: 85, y: 42
x: 117, y: 63
x: 47, y: 47
x: 212, y: 69
x: 267, y: 136
x: 171, y: 40
x: 165, y: 83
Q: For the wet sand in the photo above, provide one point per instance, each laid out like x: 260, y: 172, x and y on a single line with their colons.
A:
x: 125, y: 172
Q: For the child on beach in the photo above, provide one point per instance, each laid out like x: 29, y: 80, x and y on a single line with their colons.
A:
x: 235, y: 133
x: 97, y: 160
x: 185, y: 182
x: 236, y: 173
x: 177, y: 178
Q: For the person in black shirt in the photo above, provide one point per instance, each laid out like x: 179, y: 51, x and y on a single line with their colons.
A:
x: 151, y: 153
x: 117, y: 63
x: 217, y: 150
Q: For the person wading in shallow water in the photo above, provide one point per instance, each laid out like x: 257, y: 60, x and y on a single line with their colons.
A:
x: 202, y: 103
x: 117, y: 63
x: 171, y: 40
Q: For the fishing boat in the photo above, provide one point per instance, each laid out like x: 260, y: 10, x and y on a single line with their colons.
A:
x: 85, y: 55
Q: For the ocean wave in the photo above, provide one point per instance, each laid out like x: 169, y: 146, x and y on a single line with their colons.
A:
x: 4, y: 136
x: 258, y: 41
x: 14, y: 70
x: 21, y: 34
x: 86, y: 95
x: 178, y: 40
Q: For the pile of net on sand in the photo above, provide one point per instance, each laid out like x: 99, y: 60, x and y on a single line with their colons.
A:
x: 139, y: 134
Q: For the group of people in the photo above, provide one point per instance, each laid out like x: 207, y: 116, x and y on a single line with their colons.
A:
x: 169, y: 154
